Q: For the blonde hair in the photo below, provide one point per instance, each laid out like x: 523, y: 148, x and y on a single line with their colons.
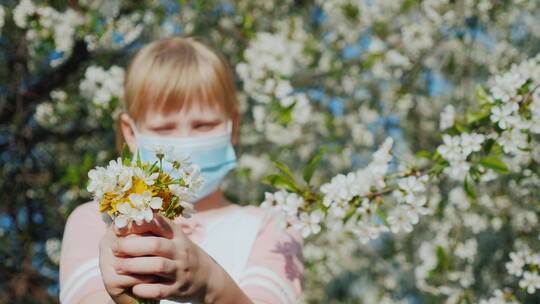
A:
x: 176, y: 72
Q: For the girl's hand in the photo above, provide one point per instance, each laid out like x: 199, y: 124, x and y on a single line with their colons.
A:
x: 117, y: 285
x: 161, y: 249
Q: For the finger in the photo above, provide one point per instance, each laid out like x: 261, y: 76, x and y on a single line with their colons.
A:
x: 159, y: 226
x: 137, y: 246
x: 120, y: 231
x: 153, y: 291
x: 146, y: 265
x: 128, y: 280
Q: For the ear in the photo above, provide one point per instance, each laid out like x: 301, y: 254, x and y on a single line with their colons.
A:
x: 235, y: 117
x: 127, y: 132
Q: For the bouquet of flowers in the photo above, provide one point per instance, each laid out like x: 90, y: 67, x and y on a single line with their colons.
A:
x: 133, y: 191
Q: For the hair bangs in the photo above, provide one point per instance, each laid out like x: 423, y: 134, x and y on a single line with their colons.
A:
x: 178, y: 75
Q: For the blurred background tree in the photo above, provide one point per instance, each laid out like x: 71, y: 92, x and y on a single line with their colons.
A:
x: 338, y: 75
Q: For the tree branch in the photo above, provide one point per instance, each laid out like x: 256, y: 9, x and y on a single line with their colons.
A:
x: 47, y: 83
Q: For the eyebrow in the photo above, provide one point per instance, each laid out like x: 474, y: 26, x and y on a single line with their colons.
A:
x: 211, y: 120
x: 165, y: 124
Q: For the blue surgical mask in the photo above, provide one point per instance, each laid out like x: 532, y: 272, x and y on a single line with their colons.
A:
x: 214, y: 155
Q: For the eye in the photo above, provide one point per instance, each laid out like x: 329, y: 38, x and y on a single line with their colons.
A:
x: 163, y: 129
x: 204, y: 126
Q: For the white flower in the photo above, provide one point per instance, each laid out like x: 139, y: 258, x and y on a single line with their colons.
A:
x: 418, y: 37
x: 148, y: 179
x: 21, y: 12
x: 100, y: 85
x: 471, y: 142
x: 451, y: 149
x: 466, y: 250
x: 413, y: 188
x: 100, y: 182
x: 52, y: 248
x: 365, y: 231
x: 188, y: 210
x: 282, y: 203
x: 309, y: 223
x: 191, y: 174
x: 504, y: 115
x: 124, y: 217
x: 124, y: 175
x: 531, y: 281
x: 516, y: 264
x: 302, y: 109
x: 161, y: 149
x: 366, y: 208
x: 505, y: 87
x: 402, y: 219
x: 178, y: 156
x: 139, y: 210
x: 341, y: 187
x: 2, y: 15
x: 184, y: 193
x: 447, y: 118
x: 512, y: 141
x: 457, y: 169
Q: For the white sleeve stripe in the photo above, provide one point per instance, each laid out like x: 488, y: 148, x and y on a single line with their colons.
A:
x: 261, y: 271
x: 70, y: 293
x: 268, y: 285
x: 86, y: 266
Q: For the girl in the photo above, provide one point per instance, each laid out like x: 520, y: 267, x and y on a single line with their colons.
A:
x: 180, y: 93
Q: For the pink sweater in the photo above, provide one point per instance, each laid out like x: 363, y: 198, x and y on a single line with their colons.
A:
x: 273, y: 272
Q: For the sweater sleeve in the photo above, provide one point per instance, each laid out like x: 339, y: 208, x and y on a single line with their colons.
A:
x: 79, y: 261
x: 274, y: 270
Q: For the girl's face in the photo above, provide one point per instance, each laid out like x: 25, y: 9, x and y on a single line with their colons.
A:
x: 197, y: 121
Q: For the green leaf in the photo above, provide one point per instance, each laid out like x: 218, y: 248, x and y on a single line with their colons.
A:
x: 349, y: 216
x: 280, y: 181
x: 139, y: 162
x: 440, y: 167
x: 476, y: 117
x: 126, y: 155
x: 459, y: 128
x: 496, y: 164
x: 313, y: 163
x: 423, y: 154
x: 488, y: 145
x: 443, y: 261
x: 283, y: 167
x: 469, y: 189
x: 481, y: 94
x: 407, y: 4
x: 381, y: 213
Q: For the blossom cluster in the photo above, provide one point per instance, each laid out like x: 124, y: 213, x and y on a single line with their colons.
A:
x: 500, y: 297
x: 271, y: 60
x: 340, y: 74
x: 48, y: 113
x: 134, y: 192
x: 524, y: 264
x: 2, y: 16
x: 44, y: 22
x: 456, y: 149
x: 105, y: 88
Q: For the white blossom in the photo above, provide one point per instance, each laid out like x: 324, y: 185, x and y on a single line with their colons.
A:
x: 530, y: 281
x: 309, y: 223
x: 511, y: 141
x: 402, y: 219
x: 21, y: 12
x: 2, y: 16
x: 447, y: 117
